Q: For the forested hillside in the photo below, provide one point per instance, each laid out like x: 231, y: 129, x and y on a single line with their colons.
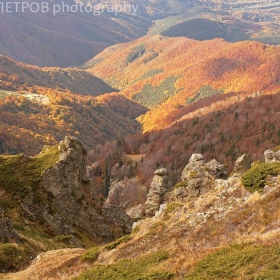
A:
x: 169, y: 75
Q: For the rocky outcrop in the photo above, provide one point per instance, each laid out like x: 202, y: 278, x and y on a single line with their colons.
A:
x: 157, y: 191
x: 70, y: 203
x: 270, y: 156
x: 198, y: 178
x: 127, y: 193
x: 126, y: 189
x: 241, y: 165
x: 216, y: 169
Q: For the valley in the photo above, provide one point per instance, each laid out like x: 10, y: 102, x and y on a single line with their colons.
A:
x: 140, y: 145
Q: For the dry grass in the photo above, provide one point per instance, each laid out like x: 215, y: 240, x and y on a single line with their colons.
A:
x: 227, y: 215
x: 60, y: 264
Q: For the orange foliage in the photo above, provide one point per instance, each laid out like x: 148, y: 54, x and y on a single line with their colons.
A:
x: 243, y: 68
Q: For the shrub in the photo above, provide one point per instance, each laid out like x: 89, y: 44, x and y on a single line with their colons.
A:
x: 181, y: 184
x: 254, y: 178
x: 242, y: 261
x: 13, y: 257
x: 117, y: 242
x: 129, y: 269
x: 91, y: 254
x: 170, y: 207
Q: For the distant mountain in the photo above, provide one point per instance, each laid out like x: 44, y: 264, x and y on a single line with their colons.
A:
x: 42, y: 105
x: 207, y: 29
x: 209, y: 19
x: 19, y: 76
x: 151, y: 8
x: 205, y: 24
x: 66, y: 38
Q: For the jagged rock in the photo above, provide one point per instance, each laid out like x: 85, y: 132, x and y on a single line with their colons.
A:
x: 161, y: 172
x: 196, y: 162
x: 157, y: 191
x: 127, y: 193
x: 241, y: 165
x: 216, y: 169
x: 72, y: 200
x: 270, y: 156
x: 115, y: 215
x: 198, y: 178
x: 126, y: 189
x: 7, y: 231
x: 196, y: 157
x: 137, y: 212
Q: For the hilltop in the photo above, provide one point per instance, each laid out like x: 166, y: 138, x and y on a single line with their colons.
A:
x: 64, y: 39
x: 168, y: 75
x: 40, y: 106
x: 18, y: 76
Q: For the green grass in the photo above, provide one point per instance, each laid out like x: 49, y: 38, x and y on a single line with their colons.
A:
x: 243, y: 261
x: 13, y: 257
x: 117, y: 242
x: 20, y: 175
x: 254, y: 178
x: 91, y: 254
x: 128, y: 269
x: 156, y: 228
x: 63, y: 239
x: 170, y: 208
x: 182, y: 184
x: 136, y: 229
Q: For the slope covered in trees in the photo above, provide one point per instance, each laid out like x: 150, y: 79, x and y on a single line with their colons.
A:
x: 25, y: 125
x: 41, y: 106
x: 218, y: 128
x: 169, y: 75
x: 65, y: 39
x: 18, y: 76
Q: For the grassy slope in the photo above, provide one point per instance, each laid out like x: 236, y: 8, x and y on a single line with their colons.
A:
x: 236, y: 239
x: 20, y: 176
x: 242, y: 261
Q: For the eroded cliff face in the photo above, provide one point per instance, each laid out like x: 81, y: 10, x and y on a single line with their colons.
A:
x: 157, y: 191
x: 48, y: 202
x: 72, y: 202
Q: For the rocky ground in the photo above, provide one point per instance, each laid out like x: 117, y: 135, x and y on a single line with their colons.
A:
x: 202, y: 214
